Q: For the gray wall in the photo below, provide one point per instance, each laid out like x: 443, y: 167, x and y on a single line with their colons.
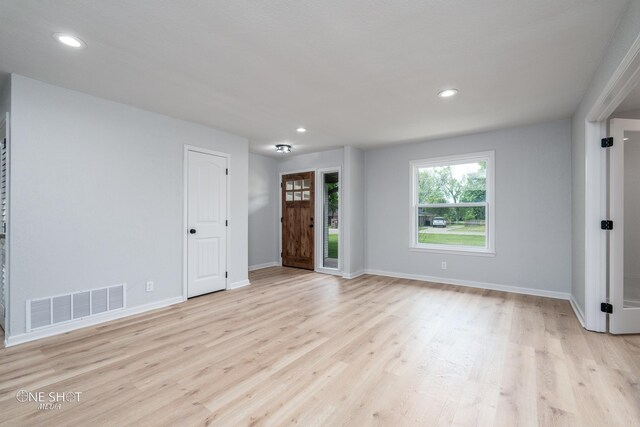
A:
x: 354, y: 239
x: 97, y: 196
x: 533, y: 209
x: 625, y: 35
x: 263, y: 210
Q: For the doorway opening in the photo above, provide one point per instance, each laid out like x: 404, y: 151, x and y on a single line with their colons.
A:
x: 623, y: 229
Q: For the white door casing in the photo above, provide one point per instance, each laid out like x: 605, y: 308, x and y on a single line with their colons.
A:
x: 206, y: 223
x: 625, y: 318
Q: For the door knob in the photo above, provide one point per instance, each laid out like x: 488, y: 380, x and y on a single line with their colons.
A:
x: 310, y: 225
x: 192, y: 231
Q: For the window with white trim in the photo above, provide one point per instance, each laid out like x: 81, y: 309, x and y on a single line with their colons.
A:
x: 452, y: 204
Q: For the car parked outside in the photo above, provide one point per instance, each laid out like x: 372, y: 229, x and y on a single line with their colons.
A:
x: 439, y: 222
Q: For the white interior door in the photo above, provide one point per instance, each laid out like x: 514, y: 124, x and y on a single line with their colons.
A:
x: 624, y: 238
x: 206, y: 223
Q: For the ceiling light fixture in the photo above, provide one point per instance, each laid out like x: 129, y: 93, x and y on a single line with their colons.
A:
x: 301, y: 130
x: 448, y: 93
x: 283, y: 148
x: 626, y: 139
x: 69, y: 40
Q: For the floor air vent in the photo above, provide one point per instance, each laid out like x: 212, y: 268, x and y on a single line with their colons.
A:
x: 51, y: 311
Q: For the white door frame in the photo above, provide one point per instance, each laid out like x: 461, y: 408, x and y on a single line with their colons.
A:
x: 185, y: 224
x: 5, y: 121
x: 320, y: 214
x: 623, y: 320
x: 622, y: 82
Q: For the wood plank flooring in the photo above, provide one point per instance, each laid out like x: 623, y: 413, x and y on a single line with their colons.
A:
x: 302, y: 348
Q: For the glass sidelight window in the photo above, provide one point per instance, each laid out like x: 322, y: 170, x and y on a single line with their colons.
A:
x: 330, y: 219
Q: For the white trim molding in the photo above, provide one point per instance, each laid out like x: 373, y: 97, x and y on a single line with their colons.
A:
x: 239, y: 284
x: 319, y: 214
x: 350, y: 276
x: 576, y: 309
x: 89, y: 321
x: 331, y: 271
x: 624, y: 79
x: 474, y: 284
x: 595, y: 239
x: 621, y: 83
x: 265, y: 265
x: 7, y: 240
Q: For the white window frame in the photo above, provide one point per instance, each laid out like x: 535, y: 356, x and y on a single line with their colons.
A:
x: 320, y: 268
x: 415, y: 165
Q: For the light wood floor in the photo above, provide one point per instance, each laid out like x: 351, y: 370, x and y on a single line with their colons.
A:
x: 303, y: 348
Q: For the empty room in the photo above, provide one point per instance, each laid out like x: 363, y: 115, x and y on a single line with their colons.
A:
x: 320, y: 213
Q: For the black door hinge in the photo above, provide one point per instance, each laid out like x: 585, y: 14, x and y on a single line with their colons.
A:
x: 281, y: 219
x: 606, y: 225
x: 226, y: 274
x: 227, y: 171
x: 226, y: 222
x: 605, y: 307
x: 280, y: 254
x: 606, y: 142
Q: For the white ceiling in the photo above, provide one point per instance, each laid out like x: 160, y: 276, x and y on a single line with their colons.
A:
x: 361, y: 72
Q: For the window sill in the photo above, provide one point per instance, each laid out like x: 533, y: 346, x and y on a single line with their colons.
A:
x: 454, y: 251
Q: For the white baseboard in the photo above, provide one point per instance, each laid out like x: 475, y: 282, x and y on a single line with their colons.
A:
x: 240, y: 284
x: 331, y: 271
x: 90, y: 321
x: 474, y: 284
x: 353, y: 275
x: 576, y: 309
x: 265, y: 265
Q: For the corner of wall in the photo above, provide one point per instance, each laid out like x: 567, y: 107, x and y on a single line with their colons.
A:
x: 354, y: 215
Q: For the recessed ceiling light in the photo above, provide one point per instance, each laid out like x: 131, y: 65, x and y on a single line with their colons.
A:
x: 69, y: 40
x: 626, y: 139
x: 301, y: 130
x: 448, y: 93
x: 283, y: 148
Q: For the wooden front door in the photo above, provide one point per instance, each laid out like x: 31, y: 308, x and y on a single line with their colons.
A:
x: 298, y: 201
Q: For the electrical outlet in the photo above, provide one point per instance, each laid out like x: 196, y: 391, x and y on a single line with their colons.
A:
x: 149, y: 286
x: 444, y: 265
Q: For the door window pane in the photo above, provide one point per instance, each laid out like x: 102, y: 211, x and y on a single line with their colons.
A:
x: 297, y: 196
x: 289, y: 185
x: 306, y: 195
x: 289, y: 196
x: 297, y: 185
x: 307, y: 183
